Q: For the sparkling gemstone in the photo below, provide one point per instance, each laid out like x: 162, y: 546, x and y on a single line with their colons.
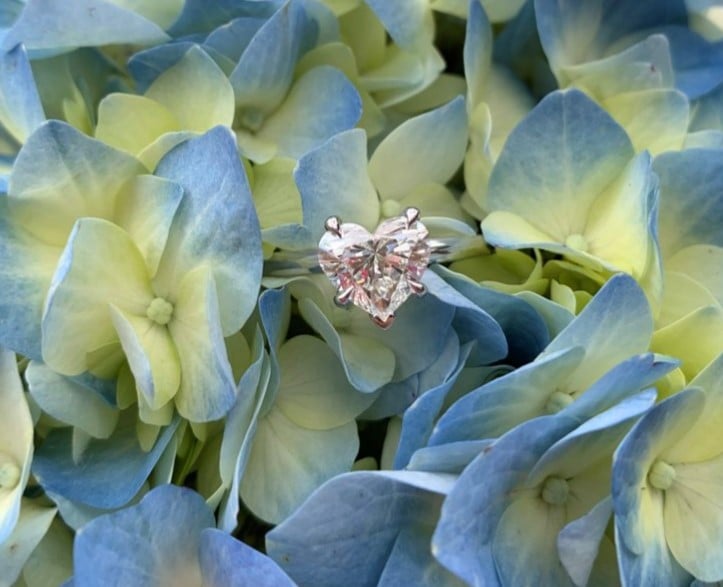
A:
x: 376, y: 272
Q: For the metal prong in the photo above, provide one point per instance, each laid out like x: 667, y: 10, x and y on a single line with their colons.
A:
x: 411, y: 215
x: 332, y: 224
x: 418, y: 288
x: 342, y: 298
x: 385, y: 323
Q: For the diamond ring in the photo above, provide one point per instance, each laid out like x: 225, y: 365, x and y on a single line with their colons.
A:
x: 377, y: 271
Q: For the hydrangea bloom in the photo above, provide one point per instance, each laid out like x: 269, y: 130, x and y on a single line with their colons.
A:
x: 181, y: 400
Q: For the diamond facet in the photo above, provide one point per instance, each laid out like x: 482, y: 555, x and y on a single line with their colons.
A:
x: 376, y: 272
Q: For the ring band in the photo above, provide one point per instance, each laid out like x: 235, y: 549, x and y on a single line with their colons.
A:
x: 375, y: 271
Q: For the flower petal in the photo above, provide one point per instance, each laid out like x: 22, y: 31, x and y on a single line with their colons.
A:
x: 151, y: 354
x: 207, y: 389
x: 556, y: 162
x: 131, y: 123
x: 288, y: 462
x: 227, y: 562
x: 216, y: 224
x: 16, y: 441
x: 320, y: 544
x: 314, y: 391
x: 76, y: 319
x: 133, y: 546
x: 61, y: 175
x: 693, y: 513
x: 110, y: 471
x: 340, y: 161
x: 20, y: 109
x: 81, y: 23
x: 428, y: 148
x: 146, y: 207
x: 71, y: 402
x: 638, y: 506
x: 321, y: 103
x: 615, y: 325
x: 16, y: 549
x: 196, y: 92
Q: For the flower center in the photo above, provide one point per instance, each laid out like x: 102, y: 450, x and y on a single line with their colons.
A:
x: 577, y: 242
x: 252, y: 119
x: 661, y: 475
x: 391, y: 208
x: 160, y: 311
x: 9, y: 472
x: 555, y: 491
x: 558, y: 401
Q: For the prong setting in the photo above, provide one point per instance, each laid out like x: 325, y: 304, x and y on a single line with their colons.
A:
x: 343, y: 297
x: 383, y: 323
x: 376, y: 271
x: 411, y: 215
x: 333, y: 225
x: 417, y: 288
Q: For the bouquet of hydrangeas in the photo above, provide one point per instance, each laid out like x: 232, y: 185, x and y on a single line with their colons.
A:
x: 538, y: 397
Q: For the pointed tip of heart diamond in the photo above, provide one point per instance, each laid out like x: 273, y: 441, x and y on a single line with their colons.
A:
x: 376, y: 272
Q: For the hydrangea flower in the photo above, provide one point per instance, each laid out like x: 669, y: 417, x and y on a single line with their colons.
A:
x: 133, y: 547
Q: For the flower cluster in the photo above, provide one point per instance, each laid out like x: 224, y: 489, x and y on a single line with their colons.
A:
x: 181, y: 401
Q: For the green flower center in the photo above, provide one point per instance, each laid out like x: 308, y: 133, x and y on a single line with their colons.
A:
x: 558, y: 401
x: 391, y: 208
x: 555, y: 491
x: 577, y: 242
x: 160, y: 311
x: 252, y: 119
x: 661, y: 475
x: 9, y: 472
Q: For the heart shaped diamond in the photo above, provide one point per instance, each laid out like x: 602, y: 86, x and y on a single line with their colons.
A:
x: 376, y: 272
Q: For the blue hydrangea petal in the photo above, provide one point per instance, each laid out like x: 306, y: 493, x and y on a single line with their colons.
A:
x: 70, y: 401
x: 477, y: 53
x: 698, y: 62
x: 502, y: 404
x: 52, y: 26
x: 638, y: 513
x: 321, y: 545
x: 227, y: 562
x: 134, y: 547
x: 471, y: 320
x: 578, y: 543
x: 555, y: 163
x: 198, y: 16
x: 451, y: 458
x: 418, y: 419
x: 406, y: 22
x: 264, y: 73
x: 616, y: 324
x: 110, y: 471
x: 471, y: 513
x: 691, y: 198
x: 216, y: 224
x: 61, y: 175
x: 592, y: 441
x: 321, y: 103
x: 575, y: 31
x: 525, y: 330
x: 342, y: 160
x: 20, y: 109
